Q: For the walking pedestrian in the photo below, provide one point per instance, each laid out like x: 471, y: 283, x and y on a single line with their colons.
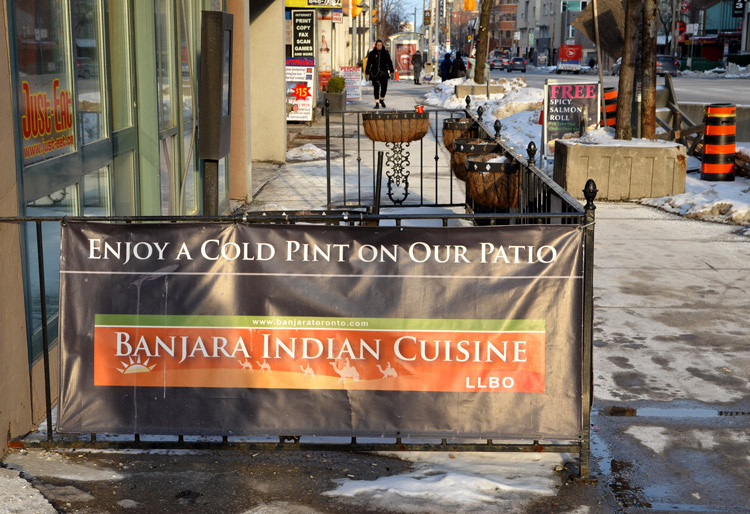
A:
x: 379, y: 69
x: 458, y: 68
x: 416, y: 63
x: 445, y: 67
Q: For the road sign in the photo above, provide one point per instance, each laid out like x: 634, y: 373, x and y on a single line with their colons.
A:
x: 685, y: 6
x: 516, y: 36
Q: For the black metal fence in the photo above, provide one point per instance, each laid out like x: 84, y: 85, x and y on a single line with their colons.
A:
x: 543, y: 202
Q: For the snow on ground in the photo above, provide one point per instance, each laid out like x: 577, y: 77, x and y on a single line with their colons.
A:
x: 17, y: 496
x: 308, y: 152
x: 463, y: 482
x: 725, y: 202
x: 730, y: 71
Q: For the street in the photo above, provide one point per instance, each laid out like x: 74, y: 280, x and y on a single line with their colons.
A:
x: 688, y: 89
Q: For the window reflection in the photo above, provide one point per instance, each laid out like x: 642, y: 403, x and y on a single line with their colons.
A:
x: 87, y: 38
x: 44, y: 94
x: 58, y: 203
x: 96, y: 193
x: 165, y: 62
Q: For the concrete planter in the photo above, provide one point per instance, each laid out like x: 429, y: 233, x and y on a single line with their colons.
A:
x: 624, y: 171
x: 338, y: 101
x: 462, y: 91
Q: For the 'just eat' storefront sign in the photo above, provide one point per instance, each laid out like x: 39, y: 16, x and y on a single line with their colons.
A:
x: 230, y: 328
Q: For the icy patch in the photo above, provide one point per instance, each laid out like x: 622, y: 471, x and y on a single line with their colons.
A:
x: 656, y: 438
x: 498, y: 160
x: 17, y: 496
x: 53, y: 465
x: 465, y: 482
x: 128, y: 504
x: 66, y: 493
x: 308, y: 152
x: 281, y: 508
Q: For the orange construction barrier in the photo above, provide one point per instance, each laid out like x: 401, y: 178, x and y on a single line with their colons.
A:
x: 718, y: 143
x: 610, y: 106
x: 396, y: 78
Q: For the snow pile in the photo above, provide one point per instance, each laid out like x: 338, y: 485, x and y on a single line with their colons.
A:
x: 462, y: 482
x: 730, y: 71
x: 443, y: 95
x: 308, y: 152
x: 724, y: 202
x: 517, y: 100
x: 606, y: 135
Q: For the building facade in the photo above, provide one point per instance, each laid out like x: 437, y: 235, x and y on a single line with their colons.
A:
x: 99, y: 103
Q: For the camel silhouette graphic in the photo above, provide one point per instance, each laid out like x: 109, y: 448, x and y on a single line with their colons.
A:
x: 246, y: 365
x: 346, y: 371
x: 264, y: 367
x: 388, y: 371
x: 308, y: 371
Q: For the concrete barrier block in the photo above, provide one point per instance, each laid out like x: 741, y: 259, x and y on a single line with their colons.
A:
x: 622, y: 170
x: 462, y: 91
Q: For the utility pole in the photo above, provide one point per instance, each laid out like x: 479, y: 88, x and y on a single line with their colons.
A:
x: 675, y: 28
x: 552, y: 44
x: 448, y: 21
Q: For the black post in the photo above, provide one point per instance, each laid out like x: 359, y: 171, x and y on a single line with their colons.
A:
x: 378, y: 181
x: 587, y: 370
x: 210, y: 187
x: 45, y: 335
x: 327, y: 109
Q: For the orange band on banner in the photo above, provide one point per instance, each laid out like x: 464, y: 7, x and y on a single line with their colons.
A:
x: 345, y: 359
x: 721, y: 130
x: 717, y: 168
x: 719, y: 149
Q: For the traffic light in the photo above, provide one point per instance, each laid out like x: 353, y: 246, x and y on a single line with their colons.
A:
x: 374, y: 15
x: 469, y: 38
x: 470, y: 5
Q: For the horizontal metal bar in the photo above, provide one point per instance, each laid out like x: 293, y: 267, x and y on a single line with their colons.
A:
x: 301, y: 446
x: 322, y: 216
x: 370, y: 111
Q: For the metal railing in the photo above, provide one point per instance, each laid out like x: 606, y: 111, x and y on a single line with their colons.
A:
x: 538, y: 193
x: 543, y: 202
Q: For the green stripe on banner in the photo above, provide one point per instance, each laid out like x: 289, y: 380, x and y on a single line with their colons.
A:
x: 488, y: 325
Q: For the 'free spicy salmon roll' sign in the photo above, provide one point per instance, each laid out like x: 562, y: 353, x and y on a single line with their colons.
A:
x: 568, y: 106
x: 230, y: 328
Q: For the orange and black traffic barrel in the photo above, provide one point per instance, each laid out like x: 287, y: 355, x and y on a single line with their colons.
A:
x: 718, y: 143
x: 610, y: 106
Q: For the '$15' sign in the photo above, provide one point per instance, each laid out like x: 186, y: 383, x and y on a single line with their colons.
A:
x: 301, y: 91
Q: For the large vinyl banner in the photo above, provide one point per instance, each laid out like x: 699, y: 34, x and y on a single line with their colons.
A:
x: 317, y: 330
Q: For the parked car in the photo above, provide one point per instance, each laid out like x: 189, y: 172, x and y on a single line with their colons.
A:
x: 664, y: 64
x: 86, y: 68
x: 616, y: 66
x: 517, y: 63
x: 667, y: 64
x: 496, y: 64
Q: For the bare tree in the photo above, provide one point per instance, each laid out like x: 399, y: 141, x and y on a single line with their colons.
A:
x: 625, y: 88
x: 391, y: 14
x: 648, y: 104
x: 481, y: 56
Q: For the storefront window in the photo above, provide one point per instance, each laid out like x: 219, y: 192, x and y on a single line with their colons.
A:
x: 166, y: 168
x: 120, y: 64
x: 190, y: 198
x: 165, y: 59
x: 45, y: 94
x: 87, y: 39
x: 59, y: 203
x: 96, y: 193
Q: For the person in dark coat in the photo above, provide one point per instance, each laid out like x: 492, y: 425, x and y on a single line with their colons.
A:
x: 458, y: 68
x: 416, y: 63
x: 379, y: 69
x: 445, y: 67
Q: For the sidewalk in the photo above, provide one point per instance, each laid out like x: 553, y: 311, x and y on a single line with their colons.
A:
x: 669, y: 427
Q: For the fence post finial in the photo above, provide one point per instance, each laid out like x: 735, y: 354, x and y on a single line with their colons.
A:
x: 498, y: 127
x: 480, y: 112
x: 468, y: 101
x: 589, y: 192
x: 531, y: 151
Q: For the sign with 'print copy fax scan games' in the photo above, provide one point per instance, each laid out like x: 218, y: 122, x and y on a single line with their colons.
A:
x: 569, y: 106
x: 229, y: 328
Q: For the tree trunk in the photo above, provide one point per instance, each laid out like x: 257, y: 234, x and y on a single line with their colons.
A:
x: 648, y: 104
x: 627, y: 70
x: 481, y: 56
